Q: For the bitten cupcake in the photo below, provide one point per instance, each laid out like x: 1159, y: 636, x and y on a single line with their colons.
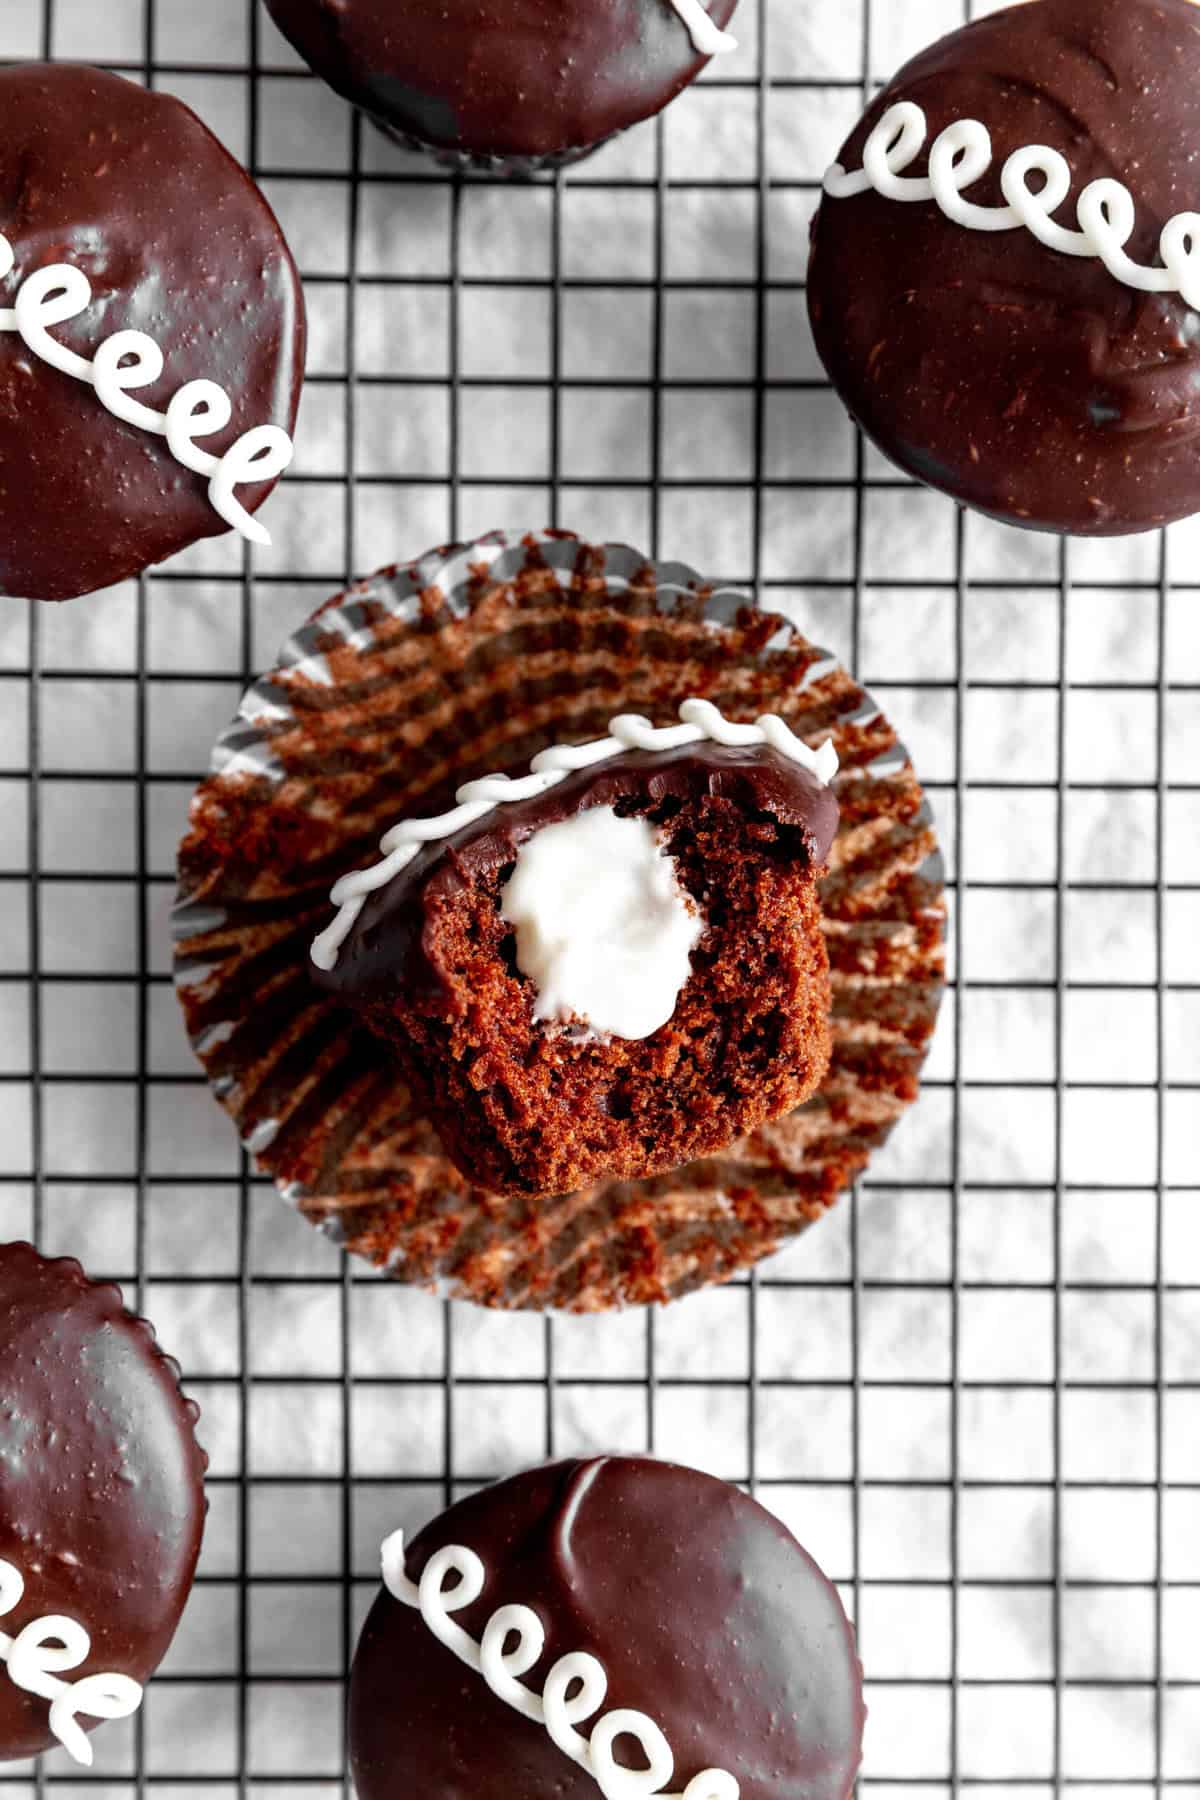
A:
x: 610, y: 966
x: 684, y: 947
x: 101, y: 1505
x: 512, y: 87
x: 151, y: 334
x: 618, y: 1627
x: 1005, y: 274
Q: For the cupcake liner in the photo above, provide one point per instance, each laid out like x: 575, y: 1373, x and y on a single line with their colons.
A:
x: 478, y: 162
x: 395, y: 693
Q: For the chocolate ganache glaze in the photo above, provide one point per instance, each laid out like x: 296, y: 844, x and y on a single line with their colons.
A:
x: 101, y: 1478
x: 705, y: 1613
x: 1027, y: 382
x: 385, y: 945
x: 511, y: 79
x: 177, y: 242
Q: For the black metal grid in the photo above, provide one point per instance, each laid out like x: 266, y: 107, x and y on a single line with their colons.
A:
x: 902, y: 1287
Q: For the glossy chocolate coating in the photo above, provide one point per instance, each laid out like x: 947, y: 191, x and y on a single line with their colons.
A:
x: 703, y: 1609
x: 525, y: 79
x: 384, y: 946
x: 1025, y: 382
x: 178, y: 242
x: 101, y: 1478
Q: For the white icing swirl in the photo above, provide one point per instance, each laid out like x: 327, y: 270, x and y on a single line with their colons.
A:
x: 962, y: 154
x: 39, y: 1655
x: 706, y: 35
x: 700, y: 720
x: 574, y: 1690
x: 129, y: 360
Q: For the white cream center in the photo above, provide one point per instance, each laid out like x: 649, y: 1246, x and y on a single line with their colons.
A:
x: 604, y: 930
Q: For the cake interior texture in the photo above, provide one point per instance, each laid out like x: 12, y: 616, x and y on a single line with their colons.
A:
x: 537, y: 1108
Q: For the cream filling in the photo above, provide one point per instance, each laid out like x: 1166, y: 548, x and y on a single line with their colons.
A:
x: 604, y: 931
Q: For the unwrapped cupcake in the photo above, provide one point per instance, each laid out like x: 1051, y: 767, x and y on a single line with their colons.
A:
x: 101, y: 1505
x: 609, y: 966
x: 152, y: 334
x: 615, y: 1629
x: 623, y: 1000
x: 1005, y: 274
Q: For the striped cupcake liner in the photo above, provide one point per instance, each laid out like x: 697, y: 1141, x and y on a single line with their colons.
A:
x: 396, y: 692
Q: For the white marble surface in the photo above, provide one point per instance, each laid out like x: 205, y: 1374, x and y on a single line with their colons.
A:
x: 956, y: 1397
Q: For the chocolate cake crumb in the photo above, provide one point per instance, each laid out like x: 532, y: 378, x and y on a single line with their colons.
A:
x: 530, y: 1107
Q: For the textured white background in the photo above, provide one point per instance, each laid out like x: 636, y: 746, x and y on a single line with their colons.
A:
x: 976, y: 1395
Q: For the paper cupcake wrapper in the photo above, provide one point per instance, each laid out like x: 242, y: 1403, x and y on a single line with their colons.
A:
x: 395, y: 693
x: 478, y: 162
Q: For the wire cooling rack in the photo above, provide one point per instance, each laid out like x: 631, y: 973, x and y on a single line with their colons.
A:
x: 975, y: 1393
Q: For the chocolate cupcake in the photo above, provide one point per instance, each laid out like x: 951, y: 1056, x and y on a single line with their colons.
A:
x: 151, y: 334
x: 511, y: 87
x: 610, y: 966
x: 1005, y: 274
x: 395, y: 695
x: 101, y: 1505
x: 627, y: 1627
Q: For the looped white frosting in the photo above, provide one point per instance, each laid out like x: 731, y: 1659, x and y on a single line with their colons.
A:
x: 706, y: 35
x: 129, y: 360
x: 574, y: 1690
x: 45, y: 1650
x: 630, y: 731
x: 960, y: 155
